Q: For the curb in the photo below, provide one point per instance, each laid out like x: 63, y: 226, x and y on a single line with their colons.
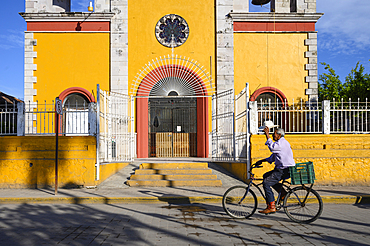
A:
x: 361, y: 199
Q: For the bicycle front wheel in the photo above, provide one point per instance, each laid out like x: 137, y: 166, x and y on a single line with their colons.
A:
x: 239, y: 203
x: 302, y: 211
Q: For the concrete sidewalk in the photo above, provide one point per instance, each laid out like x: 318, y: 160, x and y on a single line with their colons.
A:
x: 114, y: 190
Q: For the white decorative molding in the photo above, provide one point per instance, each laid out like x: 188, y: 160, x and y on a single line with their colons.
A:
x: 172, y: 79
x: 74, y: 16
x: 119, y: 44
x: 277, y: 17
x: 311, y: 67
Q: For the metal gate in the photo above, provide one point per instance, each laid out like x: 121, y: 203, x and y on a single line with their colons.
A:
x: 115, y: 127
x: 242, y: 134
x: 172, y: 127
x: 223, y: 137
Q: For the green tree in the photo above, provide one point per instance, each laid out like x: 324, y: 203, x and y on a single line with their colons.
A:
x: 357, y: 84
x: 330, y: 86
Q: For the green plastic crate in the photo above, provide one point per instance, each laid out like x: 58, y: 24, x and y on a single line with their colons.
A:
x: 302, y: 173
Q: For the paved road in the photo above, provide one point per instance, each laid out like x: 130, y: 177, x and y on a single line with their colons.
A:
x: 173, y: 224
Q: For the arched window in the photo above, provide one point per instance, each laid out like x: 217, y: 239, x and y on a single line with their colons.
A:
x: 76, y: 118
x: 268, y: 97
x: 76, y: 107
x: 269, y: 94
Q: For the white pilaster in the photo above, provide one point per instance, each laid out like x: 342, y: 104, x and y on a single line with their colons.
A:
x: 29, y: 67
x: 311, y: 67
x: 241, y: 6
x: 119, y: 44
x: 102, y: 5
x: 280, y: 6
x: 48, y: 6
x: 225, y: 43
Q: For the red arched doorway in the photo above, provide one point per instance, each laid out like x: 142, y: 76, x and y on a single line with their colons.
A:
x: 143, y: 94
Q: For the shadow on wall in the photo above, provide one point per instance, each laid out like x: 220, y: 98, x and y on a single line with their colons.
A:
x: 29, y: 162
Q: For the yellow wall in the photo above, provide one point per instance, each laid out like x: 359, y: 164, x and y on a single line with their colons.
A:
x: 67, y: 60
x: 338, y: 159
x: 143, y: 45
x: 271, y: 60
x: 108, y: 169
x: 29, y: 162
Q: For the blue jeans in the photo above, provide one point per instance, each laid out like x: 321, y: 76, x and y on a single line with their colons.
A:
x: 271, y: 179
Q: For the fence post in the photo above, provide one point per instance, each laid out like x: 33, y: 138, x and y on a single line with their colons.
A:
x: 97, y: 165
x: 326, y: 117
x: 213, y: 142
x: 20, y: 119
x: 253, y: 118
x: 133, y: 142
x: 109, y: 142
x: 92, y: 119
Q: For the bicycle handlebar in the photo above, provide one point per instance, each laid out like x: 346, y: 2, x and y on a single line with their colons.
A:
x: 255, y: 165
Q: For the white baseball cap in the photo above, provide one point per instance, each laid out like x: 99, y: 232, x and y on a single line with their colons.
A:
x: 267, y: 123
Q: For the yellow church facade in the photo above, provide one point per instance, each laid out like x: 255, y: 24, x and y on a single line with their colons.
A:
x: 171, y: 57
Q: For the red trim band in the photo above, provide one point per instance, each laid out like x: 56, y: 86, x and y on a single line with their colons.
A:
x: 266, y: 26
x: 70, y: 26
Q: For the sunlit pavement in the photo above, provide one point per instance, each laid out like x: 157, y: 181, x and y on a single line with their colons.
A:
x: 115, y: 214
x: 175, y: 224
x: 114, y: 190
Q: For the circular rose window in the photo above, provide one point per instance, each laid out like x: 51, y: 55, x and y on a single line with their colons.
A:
x: 171, y: 30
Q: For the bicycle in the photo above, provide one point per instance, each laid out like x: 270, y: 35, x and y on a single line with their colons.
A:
x: 301, y: 204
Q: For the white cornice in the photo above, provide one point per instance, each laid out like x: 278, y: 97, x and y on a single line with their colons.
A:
x: 275, y: 17
x: 68, y: 16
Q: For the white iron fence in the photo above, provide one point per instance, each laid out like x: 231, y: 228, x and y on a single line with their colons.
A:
x: 77, y: 119
x: 315, y: 117
x: 223, y: 135
x: 116, y: 135
x: 241, y: 125
x: 34, y: 118
x: 349, y: 117
x: 234, y: 118
x: 301, y: 117
x: 8, y: 118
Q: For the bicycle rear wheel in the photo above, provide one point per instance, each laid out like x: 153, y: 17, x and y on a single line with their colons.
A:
x: 238, y: 203
x: 301, y: 212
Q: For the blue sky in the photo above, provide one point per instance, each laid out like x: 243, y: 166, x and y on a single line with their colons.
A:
x: 343, y: 38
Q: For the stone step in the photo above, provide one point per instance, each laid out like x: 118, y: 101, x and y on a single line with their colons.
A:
x: 175, y: 183
x: 173, y: 177
x: 174, y: 174
x: 194, y: 165
x: 172, y: 171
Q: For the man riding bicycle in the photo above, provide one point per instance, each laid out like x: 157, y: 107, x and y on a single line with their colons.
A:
x: 282, y: 155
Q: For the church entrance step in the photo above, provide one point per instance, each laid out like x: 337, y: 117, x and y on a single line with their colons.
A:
x: 174, y: 174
